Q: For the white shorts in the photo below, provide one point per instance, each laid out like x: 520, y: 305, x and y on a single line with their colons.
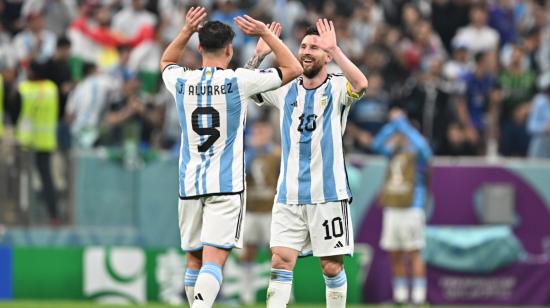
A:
x: 213, y: 221
x: 257, y: 228
x: 320, y: 229
x: 403, y: 229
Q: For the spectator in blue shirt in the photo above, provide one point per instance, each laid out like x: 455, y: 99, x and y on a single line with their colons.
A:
x: 539, y: 121
x: 479, y: 86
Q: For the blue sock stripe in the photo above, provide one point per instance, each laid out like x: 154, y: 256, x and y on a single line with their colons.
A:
x: 191, y: 277
x: 399, y: 282
x: 336, y: 281
x: 281, y: 275
x: 212, y: 269
x: 419, y: 282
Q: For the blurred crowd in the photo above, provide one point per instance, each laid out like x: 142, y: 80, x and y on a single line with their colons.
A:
x: 472, y: 75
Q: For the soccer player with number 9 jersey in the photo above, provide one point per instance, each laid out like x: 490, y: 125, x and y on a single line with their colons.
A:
x: 311, y: 211
x: 211, y: 106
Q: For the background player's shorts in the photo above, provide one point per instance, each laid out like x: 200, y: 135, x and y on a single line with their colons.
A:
x: 213, y: 221
x: 322, y: 229
x: 403, y: 229
x: 257, y: 228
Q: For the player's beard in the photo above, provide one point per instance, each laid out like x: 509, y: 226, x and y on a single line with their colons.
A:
x: 312, y: 70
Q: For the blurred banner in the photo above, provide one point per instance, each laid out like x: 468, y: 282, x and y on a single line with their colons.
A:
x: 462, y: 196
x: 134, y: 275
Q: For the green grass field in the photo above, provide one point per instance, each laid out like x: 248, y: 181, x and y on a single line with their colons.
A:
x: 84, y: 304
x: 87, y: 304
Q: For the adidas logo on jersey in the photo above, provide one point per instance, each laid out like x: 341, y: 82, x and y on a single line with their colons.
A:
x: 339, y: 245
x: 295, y: 104
x: 199, y: 297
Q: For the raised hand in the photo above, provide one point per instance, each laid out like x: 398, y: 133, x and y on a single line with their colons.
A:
x: 194, y: 17
x: 262, y: 49
x: 251, y: 26
x: 327, y: 35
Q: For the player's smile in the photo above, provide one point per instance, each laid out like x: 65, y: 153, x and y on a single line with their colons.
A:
x: 307, y: 61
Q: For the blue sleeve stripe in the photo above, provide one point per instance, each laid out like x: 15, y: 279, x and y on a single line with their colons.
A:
x: 185, y: 156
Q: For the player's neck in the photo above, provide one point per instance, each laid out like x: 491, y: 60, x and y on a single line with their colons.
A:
x: 315, y: 81
x: 214, y: 62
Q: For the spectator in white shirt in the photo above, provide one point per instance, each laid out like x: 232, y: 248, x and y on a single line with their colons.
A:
x: 477, y: 36
x: 86, y: 106
x: 131, y: 19
x: 35, y: 42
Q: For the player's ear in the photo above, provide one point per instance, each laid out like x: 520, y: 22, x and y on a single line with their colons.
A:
x: 328, y: 58
x: 229, y: 50
x: 201, y: 49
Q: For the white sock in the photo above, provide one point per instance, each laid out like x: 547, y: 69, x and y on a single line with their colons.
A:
x: 336, y: 290
x: 400, y: 290
x: 419, y: 290
x: 248, y: 292
x: 190, y: 280
x: 280, y: 286
x: 208, y: 285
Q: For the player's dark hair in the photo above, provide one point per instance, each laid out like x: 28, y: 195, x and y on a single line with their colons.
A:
x: 311, y: 31
x: 215, y: 35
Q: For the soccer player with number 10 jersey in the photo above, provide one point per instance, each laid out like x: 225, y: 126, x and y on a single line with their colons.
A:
x: 311, y: 211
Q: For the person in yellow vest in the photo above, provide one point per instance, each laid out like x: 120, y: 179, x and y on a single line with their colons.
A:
x: 38, y: 102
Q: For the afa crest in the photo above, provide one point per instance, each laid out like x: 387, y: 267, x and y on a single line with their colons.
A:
x: 324, y: 101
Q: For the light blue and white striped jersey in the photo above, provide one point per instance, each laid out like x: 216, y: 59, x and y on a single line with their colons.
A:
x: 211, y: 105
x: 312, y: 125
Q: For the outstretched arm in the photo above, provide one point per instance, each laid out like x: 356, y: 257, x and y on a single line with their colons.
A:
x: 262, y: 49
x: 193, y: 19
x: 358, y: 82
x: 288, y: 64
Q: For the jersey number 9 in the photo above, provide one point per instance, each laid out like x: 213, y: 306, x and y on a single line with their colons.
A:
x: 212, y: 133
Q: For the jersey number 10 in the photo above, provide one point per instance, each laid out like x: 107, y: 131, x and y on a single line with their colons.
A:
x: 212, y: 133
x: 337, y: 228
x: 307, y: 123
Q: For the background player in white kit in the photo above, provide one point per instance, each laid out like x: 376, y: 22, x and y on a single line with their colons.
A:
x: 211, y: 108
x: 311, y: 214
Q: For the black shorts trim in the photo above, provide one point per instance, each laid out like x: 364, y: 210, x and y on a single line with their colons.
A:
x: 210, y: 195
x: 240, y: 220
x: 344, y: 204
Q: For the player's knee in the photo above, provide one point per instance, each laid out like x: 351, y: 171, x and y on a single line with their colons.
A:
x: 280, y: 260
x: 332, y: 269
x: 194, y: 260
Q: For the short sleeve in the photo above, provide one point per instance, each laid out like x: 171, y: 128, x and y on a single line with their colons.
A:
x: 170, y: 76
x: 252, y: 82
x: 348, y: 97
